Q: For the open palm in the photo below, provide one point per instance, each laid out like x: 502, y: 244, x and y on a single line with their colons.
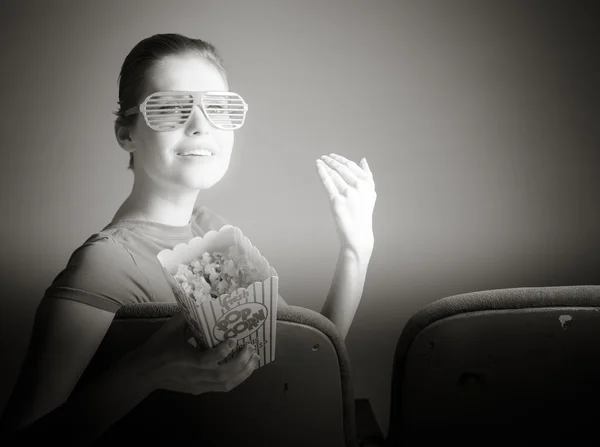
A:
x: 351, y: 191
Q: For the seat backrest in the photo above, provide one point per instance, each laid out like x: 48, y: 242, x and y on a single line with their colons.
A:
x: 522, y: 361
x: 304, y: 397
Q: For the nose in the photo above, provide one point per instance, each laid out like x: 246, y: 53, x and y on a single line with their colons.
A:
x: 197, y: 124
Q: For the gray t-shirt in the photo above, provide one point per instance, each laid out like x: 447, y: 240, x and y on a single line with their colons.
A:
x: 119, y: 266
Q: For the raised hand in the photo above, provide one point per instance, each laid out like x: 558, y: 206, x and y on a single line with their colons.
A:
x: 352, y: 196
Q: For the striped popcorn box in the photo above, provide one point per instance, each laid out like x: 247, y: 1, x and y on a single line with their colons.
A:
x: 246, y: 312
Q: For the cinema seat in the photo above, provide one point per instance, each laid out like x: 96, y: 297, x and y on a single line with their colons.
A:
x: 303, y: 398
x: 503, y: 367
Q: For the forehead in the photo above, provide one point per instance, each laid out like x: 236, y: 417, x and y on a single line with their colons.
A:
x: 187, y: 73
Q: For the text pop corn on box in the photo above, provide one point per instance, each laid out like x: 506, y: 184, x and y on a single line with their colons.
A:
x: 226, y: 289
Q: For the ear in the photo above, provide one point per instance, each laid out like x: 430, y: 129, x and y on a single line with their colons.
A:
x: 122, y: 133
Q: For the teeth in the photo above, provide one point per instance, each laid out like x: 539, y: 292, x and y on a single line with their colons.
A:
x: 202, y: 152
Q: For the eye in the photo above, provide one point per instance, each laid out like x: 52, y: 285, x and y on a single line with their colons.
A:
x: 170, y: 108
x: 216, y: 109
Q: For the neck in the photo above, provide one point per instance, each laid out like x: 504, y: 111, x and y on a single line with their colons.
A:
x: 169, y: 206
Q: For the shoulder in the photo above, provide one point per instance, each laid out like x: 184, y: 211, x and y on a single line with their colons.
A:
x: 208, y: 220
x: 101, y: 272
x: 100, y: 248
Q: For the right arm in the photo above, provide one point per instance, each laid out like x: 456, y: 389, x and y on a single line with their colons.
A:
x: 65, y: 337
x: 52, y: 369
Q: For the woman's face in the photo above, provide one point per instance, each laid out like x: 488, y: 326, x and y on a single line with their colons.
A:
x: 157, y: 155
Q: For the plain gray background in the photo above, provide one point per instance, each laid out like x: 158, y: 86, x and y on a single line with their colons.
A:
x: 479, y: 120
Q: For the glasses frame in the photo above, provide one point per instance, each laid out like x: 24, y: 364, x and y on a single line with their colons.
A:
x: 197, y: 98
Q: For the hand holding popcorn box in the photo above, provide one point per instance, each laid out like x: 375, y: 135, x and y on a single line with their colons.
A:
x: 226, y: 289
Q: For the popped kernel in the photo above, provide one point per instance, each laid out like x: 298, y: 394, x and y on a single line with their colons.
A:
x: 213, y: 275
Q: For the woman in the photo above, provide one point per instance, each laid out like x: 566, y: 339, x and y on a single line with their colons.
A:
x: 175, y: 152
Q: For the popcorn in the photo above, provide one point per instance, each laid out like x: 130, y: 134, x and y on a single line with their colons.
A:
x: 225, y: 289
x: 212, y: 276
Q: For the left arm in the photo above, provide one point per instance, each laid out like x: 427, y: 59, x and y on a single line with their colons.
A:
x: 346, y: 290
x: 352, y: 196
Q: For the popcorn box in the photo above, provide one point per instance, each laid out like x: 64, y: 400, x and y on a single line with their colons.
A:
x: 248, y: 315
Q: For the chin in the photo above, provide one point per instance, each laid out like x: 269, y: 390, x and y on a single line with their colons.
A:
x: 205, y: 181
x: 207, y: 184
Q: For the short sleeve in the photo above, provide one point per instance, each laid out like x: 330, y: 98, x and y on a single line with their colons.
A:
x: 102, y: 274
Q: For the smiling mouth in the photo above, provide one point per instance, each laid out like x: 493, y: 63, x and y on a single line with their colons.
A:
x: 195, y: 155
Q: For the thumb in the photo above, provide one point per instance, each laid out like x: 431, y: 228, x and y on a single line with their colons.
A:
x: 176, y: 324
x: 172, y: 329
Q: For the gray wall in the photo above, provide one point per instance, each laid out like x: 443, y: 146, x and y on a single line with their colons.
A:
x: 479, y: 120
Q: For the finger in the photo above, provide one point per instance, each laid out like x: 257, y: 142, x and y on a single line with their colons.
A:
x: 177, y: 320
x: 188, y: 332
x: 357, y: 170
x: 326, y: 179
x: 238, y: 362
x: 338, y: 181
x: 366, y: 167
x: 249, y: 367
x: 233, y: 381
x: 349, y: 177
x: 340, y: 185
x: 217, y: 353
x: 185, y: 329
x: 174, y: 325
